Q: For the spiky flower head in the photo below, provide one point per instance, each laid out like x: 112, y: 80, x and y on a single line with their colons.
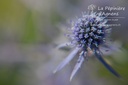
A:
x: 87, y: 35
x: 89, y: 31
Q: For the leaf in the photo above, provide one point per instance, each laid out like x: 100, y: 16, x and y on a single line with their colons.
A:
x: 99, y: 57
x: 78, y: 65
x: 67, y: 60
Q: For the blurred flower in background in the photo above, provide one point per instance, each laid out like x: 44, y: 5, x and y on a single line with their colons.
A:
x: 29, y: 32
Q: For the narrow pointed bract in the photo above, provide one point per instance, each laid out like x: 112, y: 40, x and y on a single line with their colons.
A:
x: 99, y: 57
x: 67, y: 59
x: 78, y: 65
x: 63, y: 45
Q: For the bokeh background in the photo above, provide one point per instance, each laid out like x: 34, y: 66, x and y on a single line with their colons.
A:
x: 30, y: 30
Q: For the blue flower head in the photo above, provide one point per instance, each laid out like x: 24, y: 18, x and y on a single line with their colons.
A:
x: 89, y: 31
x: 87, y: 35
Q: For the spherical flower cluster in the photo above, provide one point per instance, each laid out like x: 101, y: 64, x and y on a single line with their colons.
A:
x: 89, y: 31
x: 87, y: 35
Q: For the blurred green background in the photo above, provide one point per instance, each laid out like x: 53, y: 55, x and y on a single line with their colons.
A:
x: 29, y: 33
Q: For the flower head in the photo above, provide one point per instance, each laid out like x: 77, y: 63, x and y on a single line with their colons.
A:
x: 87, y: 35
x: 89, y: 31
